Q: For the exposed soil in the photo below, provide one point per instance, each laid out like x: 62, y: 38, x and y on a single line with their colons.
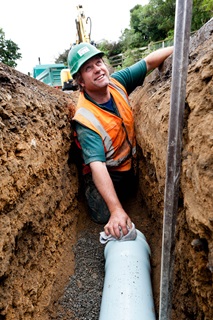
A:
x: 51, y: 261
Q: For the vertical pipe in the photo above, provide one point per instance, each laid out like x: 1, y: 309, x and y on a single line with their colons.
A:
x: 183, y: 16
x: 127, y: 292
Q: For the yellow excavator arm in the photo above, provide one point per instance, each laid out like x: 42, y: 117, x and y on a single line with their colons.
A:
x: 83, y: 26
x: 83, y: 34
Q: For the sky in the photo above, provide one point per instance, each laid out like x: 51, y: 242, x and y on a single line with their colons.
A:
x: 46, y: 28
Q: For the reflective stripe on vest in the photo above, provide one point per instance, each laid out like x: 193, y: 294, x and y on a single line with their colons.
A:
x: 91, y: 117
x: 121, y: 91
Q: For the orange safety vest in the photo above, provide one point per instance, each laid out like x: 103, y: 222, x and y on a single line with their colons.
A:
x: 117, y: 132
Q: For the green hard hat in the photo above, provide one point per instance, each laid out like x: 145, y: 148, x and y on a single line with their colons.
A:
x: 79, y: 54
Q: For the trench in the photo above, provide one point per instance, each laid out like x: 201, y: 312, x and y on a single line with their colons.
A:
x: 52, y: 264
x: 82, y: 294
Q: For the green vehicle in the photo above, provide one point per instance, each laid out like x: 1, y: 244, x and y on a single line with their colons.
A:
x: 54, y: 75
x: 49, y: 74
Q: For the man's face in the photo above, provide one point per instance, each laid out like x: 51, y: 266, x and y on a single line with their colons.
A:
x: 94, y: 74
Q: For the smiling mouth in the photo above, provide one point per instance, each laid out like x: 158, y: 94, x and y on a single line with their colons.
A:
x: 100, y: 77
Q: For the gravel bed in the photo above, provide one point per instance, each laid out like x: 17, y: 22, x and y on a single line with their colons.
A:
x: 82, y: 297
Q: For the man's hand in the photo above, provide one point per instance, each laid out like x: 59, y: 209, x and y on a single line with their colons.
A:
x: 119, y: 221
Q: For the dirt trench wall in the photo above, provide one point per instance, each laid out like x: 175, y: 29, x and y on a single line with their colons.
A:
x: 194, y: 241
x: 38, y: 206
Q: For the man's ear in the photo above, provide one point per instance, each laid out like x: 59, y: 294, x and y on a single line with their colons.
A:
x: 81, y: 81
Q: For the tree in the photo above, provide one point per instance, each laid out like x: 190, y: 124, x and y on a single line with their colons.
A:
x: 152, y: 21
x: 110, y: 48
x: 9, y: 51
x: 201, y: 12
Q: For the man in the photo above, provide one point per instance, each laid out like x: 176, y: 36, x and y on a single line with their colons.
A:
x: 105, y: 130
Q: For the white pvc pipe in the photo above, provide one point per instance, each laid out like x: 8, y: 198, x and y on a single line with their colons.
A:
x: 127, y: 292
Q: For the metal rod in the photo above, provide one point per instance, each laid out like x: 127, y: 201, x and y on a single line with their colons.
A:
x: 183, y: 15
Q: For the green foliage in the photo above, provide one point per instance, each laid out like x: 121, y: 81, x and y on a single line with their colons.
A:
x: 201, y: 12
x: 152, y: 21
x: 133, y: 39
x: 110, y: 48
x: 155, y: 21
x: 207, y: 5
x: 128, y: 59
x: 62, y: 58
x: 9, y: 51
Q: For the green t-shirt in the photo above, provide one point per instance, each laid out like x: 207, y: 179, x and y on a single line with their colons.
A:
x: 91, y: 143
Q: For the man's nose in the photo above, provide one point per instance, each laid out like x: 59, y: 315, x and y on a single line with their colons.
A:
x: 97, y: 68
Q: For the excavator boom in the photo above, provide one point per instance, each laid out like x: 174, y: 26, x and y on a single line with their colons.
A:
x: 83, y: 26
x: 83, y: 34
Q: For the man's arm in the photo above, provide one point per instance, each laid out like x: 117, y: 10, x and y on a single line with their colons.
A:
x: 118, y: 217
x: 156, y: 58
